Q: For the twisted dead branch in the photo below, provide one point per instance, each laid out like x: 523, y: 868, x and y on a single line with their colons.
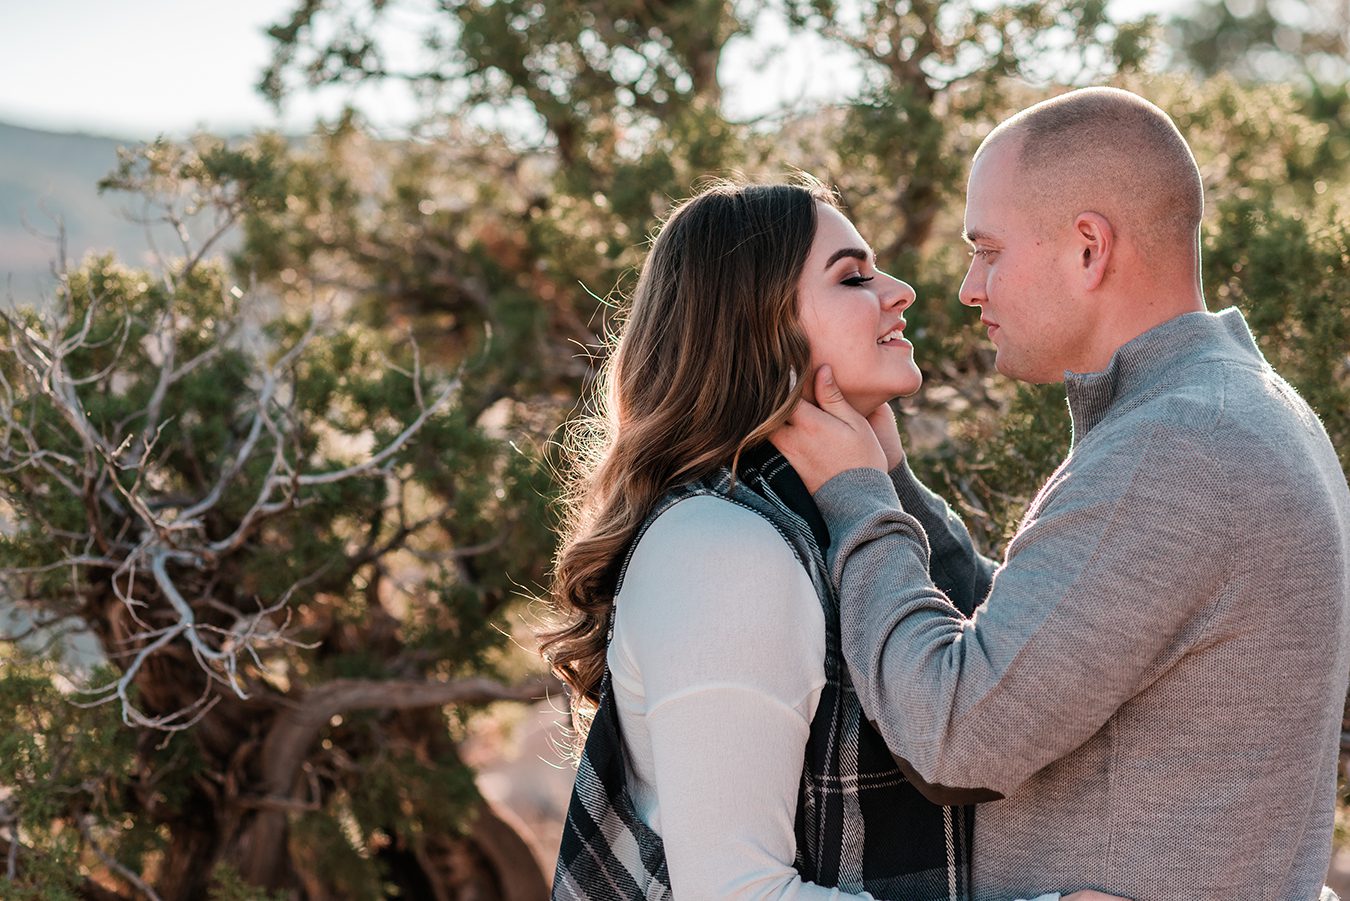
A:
x: 170, y: 537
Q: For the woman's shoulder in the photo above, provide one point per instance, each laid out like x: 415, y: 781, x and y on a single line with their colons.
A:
x: 707, y: 559
x: 714, y: 595
x: 713, y: 526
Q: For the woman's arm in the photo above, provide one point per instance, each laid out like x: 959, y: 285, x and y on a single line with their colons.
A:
x: 724, y: 625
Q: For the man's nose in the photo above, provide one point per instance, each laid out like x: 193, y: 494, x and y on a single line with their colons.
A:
x: 972, y: 288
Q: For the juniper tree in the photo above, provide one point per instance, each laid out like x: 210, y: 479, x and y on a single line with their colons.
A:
x: 292, y: 543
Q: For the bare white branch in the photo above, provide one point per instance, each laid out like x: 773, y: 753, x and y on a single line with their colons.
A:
x: 105, y: 562
x: 392, y: 448
x: 271, y: 378
x: 116, y: 866
x: 148, y: 534
x: 12, y: 858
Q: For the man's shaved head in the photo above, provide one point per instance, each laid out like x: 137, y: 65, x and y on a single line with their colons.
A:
x: 1083, y: 217
x: 1114, y: 153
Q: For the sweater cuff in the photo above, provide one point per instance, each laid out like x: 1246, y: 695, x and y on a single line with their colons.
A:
x: 860, y: 506
x: 911, y: 492
x: 854, y: 494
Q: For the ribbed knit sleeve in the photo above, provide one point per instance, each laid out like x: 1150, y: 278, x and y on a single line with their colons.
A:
x: 956, y: 568
x: 1101, y: 578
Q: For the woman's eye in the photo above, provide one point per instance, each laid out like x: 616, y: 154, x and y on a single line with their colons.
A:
x: 857, y: 281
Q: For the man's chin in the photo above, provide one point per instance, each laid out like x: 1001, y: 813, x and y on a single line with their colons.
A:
x: 1024, y: 374
x: 1008, y: 366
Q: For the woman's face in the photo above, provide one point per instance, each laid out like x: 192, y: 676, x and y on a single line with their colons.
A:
x: 852, y: 314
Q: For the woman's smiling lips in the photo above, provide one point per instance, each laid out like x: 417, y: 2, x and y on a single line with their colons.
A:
x: 894, y: 337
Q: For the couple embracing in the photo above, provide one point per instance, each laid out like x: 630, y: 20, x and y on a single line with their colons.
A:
x: 801, y: 679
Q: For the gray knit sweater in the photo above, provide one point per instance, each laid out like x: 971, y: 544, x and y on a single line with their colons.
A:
x: 1155, y: 680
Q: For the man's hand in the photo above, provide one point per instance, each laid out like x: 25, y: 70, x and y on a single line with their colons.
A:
x: 821, y: 442
x: 882, y: 421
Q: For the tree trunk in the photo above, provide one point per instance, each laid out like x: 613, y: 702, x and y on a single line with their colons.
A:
x: 494, y: 862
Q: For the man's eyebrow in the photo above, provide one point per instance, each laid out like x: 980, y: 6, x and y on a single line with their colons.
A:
x: 974, y: 235
x: 856, y: 253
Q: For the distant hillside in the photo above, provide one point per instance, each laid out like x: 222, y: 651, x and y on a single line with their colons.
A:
x: 45, y: 175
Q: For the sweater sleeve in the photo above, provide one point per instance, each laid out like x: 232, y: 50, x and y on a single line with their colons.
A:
x: 956, y: 568
x: 1099, y: 582
x: 730, y: 639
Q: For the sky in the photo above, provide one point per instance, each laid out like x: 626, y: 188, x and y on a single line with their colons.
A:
x: 146, y: 67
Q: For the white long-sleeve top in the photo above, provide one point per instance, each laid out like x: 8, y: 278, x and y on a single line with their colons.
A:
x: 718, y: 661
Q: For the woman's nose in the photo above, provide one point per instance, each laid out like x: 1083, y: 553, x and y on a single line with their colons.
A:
x: 900, y: 296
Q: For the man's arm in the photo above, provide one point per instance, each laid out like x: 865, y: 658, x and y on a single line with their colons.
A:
x: 961, y: 572
x: 1095, y: 589
x: 1098, y: 588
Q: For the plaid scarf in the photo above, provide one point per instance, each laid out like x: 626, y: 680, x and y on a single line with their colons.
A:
x: 861, y: 826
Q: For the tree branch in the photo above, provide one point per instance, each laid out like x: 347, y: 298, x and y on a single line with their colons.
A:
x: 297, y: 729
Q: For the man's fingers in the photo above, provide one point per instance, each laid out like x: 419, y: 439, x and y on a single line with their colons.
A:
x: 807, y: 415
x: 829, y: 410
x: 882, y: 416
x: 828, y: 394
x: 824, y: 439
x: 831, y: 399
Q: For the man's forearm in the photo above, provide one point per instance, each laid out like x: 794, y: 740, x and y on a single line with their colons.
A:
x: 885, y: 591
x: 916, y: 661
x: 961, y: 572
x: 1091, y: 594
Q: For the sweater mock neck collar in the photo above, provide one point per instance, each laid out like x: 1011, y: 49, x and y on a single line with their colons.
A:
x: 1144, y: 361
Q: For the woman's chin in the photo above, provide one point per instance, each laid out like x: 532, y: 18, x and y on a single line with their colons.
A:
x: 865, y: 403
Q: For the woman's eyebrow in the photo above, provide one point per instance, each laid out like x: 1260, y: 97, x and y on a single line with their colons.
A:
x: 856, y: 253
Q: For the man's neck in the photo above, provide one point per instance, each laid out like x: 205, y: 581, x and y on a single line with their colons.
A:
x: 1139, y: 314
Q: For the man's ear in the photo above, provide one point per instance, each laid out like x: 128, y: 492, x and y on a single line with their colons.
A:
x: 1096, y: 243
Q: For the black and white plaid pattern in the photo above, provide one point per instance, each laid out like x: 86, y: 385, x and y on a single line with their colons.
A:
x: 608, y: 853
x: 861, y: 826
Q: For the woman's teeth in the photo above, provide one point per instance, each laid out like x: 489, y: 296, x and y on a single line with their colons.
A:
x: 893, y: 335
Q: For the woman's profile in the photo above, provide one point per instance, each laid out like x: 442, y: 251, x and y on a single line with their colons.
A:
x: 727, y: 754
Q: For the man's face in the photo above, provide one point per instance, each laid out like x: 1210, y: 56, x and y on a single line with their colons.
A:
x: 1019, y: 270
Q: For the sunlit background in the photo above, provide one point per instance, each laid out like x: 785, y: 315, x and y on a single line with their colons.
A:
x: 471, y: 228
x: 137, y: 70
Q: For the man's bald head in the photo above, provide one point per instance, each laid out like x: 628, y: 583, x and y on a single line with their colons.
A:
x: 1116, y: 154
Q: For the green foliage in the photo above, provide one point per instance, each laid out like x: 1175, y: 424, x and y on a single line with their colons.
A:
x: 325, y: 843
x: 402, y: 795
x: 371, y: 275
x: 1289, y: 272
x: 227, y: 885
x: 992, y: 466
x: 62, y: 762
x: 1265, y: 41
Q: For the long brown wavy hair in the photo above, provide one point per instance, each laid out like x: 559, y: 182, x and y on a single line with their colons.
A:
x: 710, y: 361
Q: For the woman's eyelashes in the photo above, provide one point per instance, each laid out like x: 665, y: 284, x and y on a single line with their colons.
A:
x: 857, y: 281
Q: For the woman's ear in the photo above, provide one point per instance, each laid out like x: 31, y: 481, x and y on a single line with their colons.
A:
x: 1096, y: 242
